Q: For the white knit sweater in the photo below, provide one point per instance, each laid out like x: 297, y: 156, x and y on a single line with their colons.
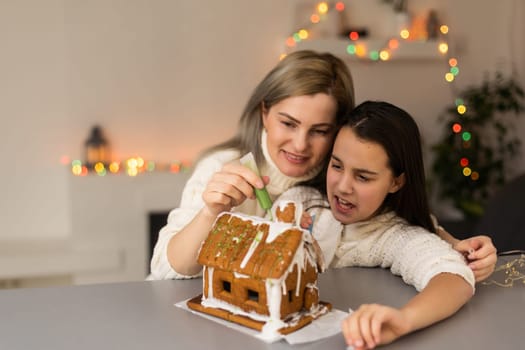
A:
x: 192, y: 202
x: 386, y: 240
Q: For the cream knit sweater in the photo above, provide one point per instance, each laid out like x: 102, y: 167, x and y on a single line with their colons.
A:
x: 191, y: 202
x: 386, y: 240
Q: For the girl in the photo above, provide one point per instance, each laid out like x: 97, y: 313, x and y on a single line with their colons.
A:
x: 375, y: 188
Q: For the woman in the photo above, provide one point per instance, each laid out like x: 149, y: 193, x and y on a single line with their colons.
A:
x: 289, y: 125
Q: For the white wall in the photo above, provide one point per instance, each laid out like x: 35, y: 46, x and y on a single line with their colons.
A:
x: 167, y: 78
x: 34, y: 118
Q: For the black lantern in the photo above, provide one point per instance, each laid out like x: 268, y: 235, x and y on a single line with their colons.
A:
x: 96, y: 148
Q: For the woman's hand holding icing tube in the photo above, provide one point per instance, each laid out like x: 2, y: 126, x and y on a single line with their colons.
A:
x: 226, y: 189
x: 230, y: 187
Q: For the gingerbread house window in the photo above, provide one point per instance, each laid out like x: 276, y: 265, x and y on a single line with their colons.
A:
x: 227, y: 286
x: 253, y: 295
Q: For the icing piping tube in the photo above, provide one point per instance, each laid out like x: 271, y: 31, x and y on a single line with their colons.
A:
x: 262, y: 194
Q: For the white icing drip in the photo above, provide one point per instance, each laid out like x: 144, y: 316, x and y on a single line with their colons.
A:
x: 283, y: 286
x: 276, y: 228
x: 299, y: 261
x: 311, y: 256
x: 204, y: 268
x: 240, y: 275
x: 210, y: 283
x: 252, y: 248
x: 219, y: 304
x: 273, y: 297
x: 298, y: 213
x: 271, y: 328
x: 311, y: 286
x: 317, y: 310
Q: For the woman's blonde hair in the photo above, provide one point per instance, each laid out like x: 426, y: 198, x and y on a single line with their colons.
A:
x: 300, y: 73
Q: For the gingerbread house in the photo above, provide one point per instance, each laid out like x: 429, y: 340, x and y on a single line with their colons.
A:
x: 261, y: 273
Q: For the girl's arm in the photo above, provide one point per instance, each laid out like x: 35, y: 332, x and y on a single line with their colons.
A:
x: 479, y: 250
x: 373, y: 324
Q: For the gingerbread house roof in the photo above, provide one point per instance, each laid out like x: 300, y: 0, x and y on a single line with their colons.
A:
x: 251, y: 246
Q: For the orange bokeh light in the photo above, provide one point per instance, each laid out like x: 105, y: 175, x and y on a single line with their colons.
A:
x: 353, y: 36
x: 393, y: 44
x: 456, y: 127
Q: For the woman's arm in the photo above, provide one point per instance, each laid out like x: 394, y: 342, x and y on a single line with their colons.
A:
x: 479, y: 250
x: 373, y: 324
x: 227, y: 188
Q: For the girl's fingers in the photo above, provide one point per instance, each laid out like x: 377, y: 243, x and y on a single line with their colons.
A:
x: 375, y: 326
x: 482, y: 274
x: 350, y: 328
x: 353, y: 330
x: 365, y: 327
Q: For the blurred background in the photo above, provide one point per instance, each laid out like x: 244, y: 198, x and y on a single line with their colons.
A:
x: 165, y: 79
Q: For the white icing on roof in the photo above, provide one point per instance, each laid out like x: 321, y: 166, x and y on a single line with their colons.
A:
x: 253, y: 246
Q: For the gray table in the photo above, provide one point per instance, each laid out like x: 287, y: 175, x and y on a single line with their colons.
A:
x: 142, y: 315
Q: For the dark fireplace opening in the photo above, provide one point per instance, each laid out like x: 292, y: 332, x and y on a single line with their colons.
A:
x: 156, y: 221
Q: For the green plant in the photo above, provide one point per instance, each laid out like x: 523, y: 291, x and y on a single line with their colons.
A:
x: 472, y: 158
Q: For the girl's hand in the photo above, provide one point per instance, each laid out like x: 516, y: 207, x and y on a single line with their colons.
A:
x: 372, y: 325
x: 481, y: 255
x: 230, y: 187
x: 306, y: 220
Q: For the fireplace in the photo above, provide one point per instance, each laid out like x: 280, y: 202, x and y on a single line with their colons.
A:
x: 156, y: 221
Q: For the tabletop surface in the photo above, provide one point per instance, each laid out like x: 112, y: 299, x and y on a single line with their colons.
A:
x: 142, y: 315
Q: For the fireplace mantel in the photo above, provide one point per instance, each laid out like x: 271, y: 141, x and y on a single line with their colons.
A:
x: 115, y: 209
x: 109, y: 238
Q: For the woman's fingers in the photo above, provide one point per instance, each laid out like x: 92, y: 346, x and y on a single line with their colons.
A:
x: 222, y: 196
x: 248, y: 175
x: 230, y: 187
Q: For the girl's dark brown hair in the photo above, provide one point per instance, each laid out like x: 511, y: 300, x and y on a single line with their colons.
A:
x: 397, y: 132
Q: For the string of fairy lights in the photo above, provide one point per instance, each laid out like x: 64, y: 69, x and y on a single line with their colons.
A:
x: 134, y: 166
x: 509, y: 274
x: 358, y: 49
